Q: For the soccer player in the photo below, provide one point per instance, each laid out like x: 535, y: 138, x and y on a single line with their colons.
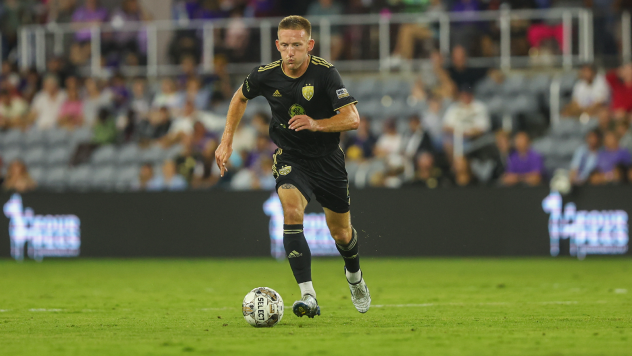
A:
x: 310, y: 107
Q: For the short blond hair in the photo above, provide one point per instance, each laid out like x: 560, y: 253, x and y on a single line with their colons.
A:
x: 296, y: 22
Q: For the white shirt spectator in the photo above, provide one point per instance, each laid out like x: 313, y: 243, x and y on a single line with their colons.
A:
x: 587, y: 95
x: 389, y: 144
x: 184, y: 124
x: 47, y: 108
x: 469, y: 118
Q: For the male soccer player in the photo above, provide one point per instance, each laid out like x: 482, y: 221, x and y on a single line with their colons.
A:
x: 310, y: 107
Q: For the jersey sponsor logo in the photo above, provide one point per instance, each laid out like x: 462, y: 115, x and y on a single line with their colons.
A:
x: 276, y: 94
x: 296, y: 110
x: 342, y: 93
x: 285, y: 170
x: 308, y: 92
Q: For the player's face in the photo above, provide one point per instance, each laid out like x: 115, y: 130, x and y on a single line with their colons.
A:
x: 294, y: 46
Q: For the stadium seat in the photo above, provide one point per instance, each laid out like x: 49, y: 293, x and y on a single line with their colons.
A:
x: 56, y: 178
x: 513, y: 85
x: 367, y: 88
x: 521, y: 104
x: 79, y: 178
x: 11, y: 154
x: 103, y: 178
x: 173, y: 151
x: 130, y: 153
x: 37, y: 174
x: 486, y: 88
x: 35, y: 137
x: 59, y: 156
x: 13, y: 138
x: 126, y: 177
x: 81, y: 135
x: 539, y: 84
x: 496, y: 105
x: 567, y: 81
x: 566, y: 128
x: 543, y: 145
x: 153, y: 154
x: 57, y: 137
x: 396, y: 88
x: 104, y: 155
x: 35, y: 156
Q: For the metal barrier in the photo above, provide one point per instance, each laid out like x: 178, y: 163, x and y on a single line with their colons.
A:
x: 34, y: 39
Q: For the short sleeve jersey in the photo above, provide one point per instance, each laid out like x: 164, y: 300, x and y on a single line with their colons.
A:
x: 319, y: 93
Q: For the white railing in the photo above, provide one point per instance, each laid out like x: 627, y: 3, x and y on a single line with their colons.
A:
x: 34, y: 39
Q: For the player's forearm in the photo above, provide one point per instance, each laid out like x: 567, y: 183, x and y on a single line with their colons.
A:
x: 348, y: 119
x: 235, y: 112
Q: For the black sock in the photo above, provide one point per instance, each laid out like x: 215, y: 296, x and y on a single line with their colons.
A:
x: 350, y: 253
x: 298, y: 253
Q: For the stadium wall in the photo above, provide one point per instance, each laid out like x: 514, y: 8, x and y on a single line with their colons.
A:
x: 403, y: 222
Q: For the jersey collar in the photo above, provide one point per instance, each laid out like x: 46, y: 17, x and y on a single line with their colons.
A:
x: 309, y: 60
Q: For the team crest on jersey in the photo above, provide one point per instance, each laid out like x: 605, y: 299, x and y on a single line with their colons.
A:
x: 308, y: 92
x: 285, y: 170
x: 296, y: 110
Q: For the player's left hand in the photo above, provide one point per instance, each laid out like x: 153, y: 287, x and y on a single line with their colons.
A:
x: 303, y: 122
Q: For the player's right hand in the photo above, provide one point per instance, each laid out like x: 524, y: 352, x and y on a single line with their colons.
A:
x: 222, y: 155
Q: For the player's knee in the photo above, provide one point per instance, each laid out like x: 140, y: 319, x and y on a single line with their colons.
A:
x: 342, y: 235
x: 293, y: 215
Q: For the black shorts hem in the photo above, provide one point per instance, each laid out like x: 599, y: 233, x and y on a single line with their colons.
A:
x: 339, y: 211
x: 297, y: 185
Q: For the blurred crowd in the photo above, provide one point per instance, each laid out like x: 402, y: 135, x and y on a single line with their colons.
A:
x: 453, y: 139
x: 239, y: 43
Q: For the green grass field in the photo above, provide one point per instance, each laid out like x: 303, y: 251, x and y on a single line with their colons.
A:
x: 420, y: 307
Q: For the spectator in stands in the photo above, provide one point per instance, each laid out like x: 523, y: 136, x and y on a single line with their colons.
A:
x: 186, y: 160
x: 12, y: 110
x: 61, y: 11
x: 590, y: 93
x: 410, y: 33
x: 130, y: 41
x: 145, y: 175
x: 46, y: 104
x: 18, y: 178
x: 466, y: 32
x: 432, y: 121
x: 71, y: 111
x: 104, y: 129
x: 467, y: 116
x: 390, y: 142
x: 1, y: 171
x: 220, y: 83
x: 361, y: 145
x: 140, y: 101
x: 237, y: 35
x: 85, y: 17
x: 120, y: 93
x: 169, y: 179
x: 329, y: 8
x: 262, y: 149
x: 427, y: 174
x: 585, y: 158
x: 188, y: 66
x: 525, y: 166
x: 156, y: 127
x: 462, y: 173
x: 261, y: 123
x: 620, y: 81
x: 604, y: 120
x: 244, y: 138
x: 613, y: 161
x: 625, y: 134
x: 415, y: 139
x: 30, y: 85
x: 196, y: 94
x: 206, y: 173
x: 94, y: 100
x: 168, y: 96
x: 15, y: 13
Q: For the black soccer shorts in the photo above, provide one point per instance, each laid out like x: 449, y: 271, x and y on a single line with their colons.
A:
x: 325, y: 177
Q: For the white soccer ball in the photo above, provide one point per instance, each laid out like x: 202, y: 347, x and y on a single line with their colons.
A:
x: 262, y: 307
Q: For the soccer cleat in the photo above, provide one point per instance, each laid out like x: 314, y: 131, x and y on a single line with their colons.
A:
x: 360, y: 295
x: 306, y: 306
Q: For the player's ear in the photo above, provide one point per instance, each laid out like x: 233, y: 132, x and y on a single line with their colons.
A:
x: 277, y: 45
x: 310, y: 44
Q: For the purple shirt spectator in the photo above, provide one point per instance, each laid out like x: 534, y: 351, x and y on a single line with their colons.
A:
x: 530, y: 163
x: 86, y: 15
x: 608, y: 160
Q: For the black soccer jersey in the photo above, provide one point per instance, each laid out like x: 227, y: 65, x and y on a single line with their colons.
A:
x: 318, y: 93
